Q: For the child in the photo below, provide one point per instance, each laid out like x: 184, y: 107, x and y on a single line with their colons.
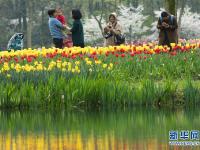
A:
x: 60, y: 16
x: 68, y: 40
x: 16, y: 42
x: 77, y: 29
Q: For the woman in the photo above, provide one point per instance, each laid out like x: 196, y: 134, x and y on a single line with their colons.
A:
x: 112, y: 29
x: 77, y: 29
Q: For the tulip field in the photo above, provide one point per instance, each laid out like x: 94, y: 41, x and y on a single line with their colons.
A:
x: 103, y: 77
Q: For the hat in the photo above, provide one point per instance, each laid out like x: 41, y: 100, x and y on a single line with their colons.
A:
x: 114, y: 15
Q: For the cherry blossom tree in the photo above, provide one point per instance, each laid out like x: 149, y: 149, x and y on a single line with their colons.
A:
x: 130, y: 18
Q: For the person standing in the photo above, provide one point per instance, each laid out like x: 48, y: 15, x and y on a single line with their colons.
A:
x: 77, y: 29
x: 67, y: 41
x: 56, y: 29
x: 167, y: 25
x: 112, y: 29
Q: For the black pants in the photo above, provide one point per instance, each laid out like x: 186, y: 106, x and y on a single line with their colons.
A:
x: 58, y: 43
x: 82, y: 45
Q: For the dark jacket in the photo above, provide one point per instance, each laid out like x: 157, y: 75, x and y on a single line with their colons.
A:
x: 77, y: 33
x: 171, y: 33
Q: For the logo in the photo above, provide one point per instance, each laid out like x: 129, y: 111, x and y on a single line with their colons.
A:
x: 184, y: 138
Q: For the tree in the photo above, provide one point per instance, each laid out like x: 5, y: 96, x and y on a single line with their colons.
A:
x: 30, y: 22
x: 181, y: 13
x: 132, y: 20
x: 190, y: 24
x: 170, y: 6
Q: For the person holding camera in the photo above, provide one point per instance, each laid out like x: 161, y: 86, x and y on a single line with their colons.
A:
x: 113, y: 32
x: 167, y: 24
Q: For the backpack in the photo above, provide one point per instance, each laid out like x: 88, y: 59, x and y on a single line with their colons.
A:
x: 171, y: 19
x: 16, y: 42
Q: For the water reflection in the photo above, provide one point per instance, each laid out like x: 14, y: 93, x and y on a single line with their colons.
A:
x: 132, y: 130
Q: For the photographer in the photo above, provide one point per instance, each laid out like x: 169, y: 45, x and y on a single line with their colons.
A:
x: 112, y: 30
x: 167, y: 24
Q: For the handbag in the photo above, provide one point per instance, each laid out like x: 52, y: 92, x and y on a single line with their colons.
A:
x: 119, y: 39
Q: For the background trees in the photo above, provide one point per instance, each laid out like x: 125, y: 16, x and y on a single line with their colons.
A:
x: 30, y: 16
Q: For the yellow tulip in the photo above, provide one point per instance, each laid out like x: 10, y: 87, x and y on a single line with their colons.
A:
x: 105, y: 65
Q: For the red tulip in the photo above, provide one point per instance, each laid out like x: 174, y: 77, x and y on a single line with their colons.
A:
x: 157, y: 51
x: 29, y: 60
x: 174, y: 53
x: 73, y: 56
x: 122, y: 50
x: 94, y: 53
x: 123, y: 55
x: 81, y: 56
x: 107, y: 54
x: 16, y: 59
x: 132, y: 54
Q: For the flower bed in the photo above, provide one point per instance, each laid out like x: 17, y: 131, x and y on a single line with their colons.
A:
x: 104, y: 77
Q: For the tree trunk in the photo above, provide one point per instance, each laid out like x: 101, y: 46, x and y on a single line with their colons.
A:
x: 23, y: 13
x: 42, y: 34
x: 99, y: 21
x: 170, y: 6
x: 29, y: 27
x: 180, y: 15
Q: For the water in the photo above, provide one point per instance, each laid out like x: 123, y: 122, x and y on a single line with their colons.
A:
x: 138, y: 129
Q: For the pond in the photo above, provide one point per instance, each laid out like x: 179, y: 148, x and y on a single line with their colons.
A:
x: 137, y: 129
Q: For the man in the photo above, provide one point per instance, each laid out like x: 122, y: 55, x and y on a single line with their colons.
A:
x: 167, y: 24
x: 56, y: 29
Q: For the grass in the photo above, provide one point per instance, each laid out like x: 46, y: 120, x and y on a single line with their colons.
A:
x: 89, y: 93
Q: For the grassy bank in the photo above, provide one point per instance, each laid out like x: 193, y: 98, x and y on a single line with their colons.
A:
x: 84, y: 93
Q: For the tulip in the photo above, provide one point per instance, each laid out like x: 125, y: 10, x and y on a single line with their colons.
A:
x: 29, y: 60
x: 123, y: 55
x: 174, y: 53
x: 132, y: 54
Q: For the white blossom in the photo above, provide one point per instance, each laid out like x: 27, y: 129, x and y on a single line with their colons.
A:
x: 190, y: 24
x: 132, y: 17
x: 91, y: 29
